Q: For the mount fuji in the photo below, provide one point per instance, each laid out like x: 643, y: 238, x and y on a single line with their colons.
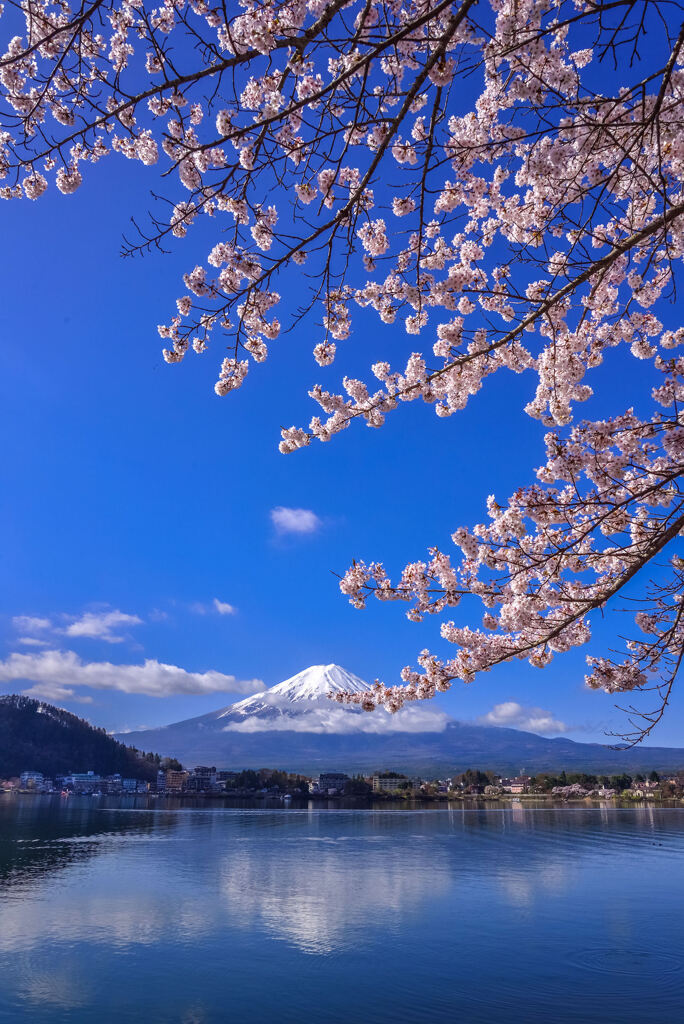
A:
x: 294, y: 725
x: 301, y: 694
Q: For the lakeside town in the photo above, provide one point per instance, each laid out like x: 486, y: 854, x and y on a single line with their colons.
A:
x: 208, y: 782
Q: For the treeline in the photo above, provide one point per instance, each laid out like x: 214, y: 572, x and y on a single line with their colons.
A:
x: 546, y: 782
x: 252, y: 781
x: 39, y: 737
x: 474, y: 781
x: 268, y: 778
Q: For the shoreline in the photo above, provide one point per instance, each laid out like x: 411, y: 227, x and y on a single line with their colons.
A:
x: 274, y: 802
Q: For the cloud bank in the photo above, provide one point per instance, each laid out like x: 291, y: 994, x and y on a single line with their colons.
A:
x: 512, y: 715
x: 294, y: 520
x: 56, y: 673
x: 338, y: 720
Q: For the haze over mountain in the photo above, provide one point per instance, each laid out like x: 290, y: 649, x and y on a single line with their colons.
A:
x: 294, y: 725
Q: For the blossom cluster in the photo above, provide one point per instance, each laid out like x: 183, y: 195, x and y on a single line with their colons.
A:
x: 608, y: 501
x: 449, y: 167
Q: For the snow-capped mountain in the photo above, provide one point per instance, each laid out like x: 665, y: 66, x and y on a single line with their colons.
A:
x: 301, y: 693
x: 294, y: 725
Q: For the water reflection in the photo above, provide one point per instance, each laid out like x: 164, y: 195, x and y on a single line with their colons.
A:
x: 287, y: 874
x: 315, y: 879
x: 52, y: 986
x: 200, y: 915
x: 41, y: 835
x: 322, y: 898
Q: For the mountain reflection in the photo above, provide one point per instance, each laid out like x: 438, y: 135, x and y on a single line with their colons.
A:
x: 205, y: 914
x: 318, y: 881
x: 191, y: 875
x: 320, y: 895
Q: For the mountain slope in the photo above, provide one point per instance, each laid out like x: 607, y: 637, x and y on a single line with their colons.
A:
x: 39, y: 737
x: 294, y: 725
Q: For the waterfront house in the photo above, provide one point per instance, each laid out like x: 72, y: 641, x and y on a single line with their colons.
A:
x: 201, y: 780
x: 32, y: 780
x: 332, y: 782
x: 388, y: 782
x: 83, y: 782
x: 174, y: 781
x: 518, y: 785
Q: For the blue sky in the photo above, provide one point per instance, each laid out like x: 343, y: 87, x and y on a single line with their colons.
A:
x: 129, y: 486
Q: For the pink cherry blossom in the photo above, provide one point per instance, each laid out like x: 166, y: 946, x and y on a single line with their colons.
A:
x: 450, y: 168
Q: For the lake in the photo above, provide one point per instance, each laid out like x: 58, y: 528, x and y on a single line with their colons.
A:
x: 129, y: 911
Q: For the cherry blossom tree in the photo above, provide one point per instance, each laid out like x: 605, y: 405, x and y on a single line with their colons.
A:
x: 502, y: 178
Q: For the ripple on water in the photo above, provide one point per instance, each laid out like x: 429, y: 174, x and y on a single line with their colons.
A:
x: 629, y: 961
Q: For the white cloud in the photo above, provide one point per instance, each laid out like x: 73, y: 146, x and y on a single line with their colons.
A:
x: 152, y: 678
x: 339, y: 720
x: 223, y: 608
x: 30, y: 624
x: 516, y: 716
x: 32, y: 641
x: 197, y: 608
x: 157, y: 615
x: 100, y: 625
x: 294, y: 520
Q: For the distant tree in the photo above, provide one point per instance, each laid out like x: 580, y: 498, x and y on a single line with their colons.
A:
x: 653, y: 777
x: 505, y: 178
x: 474, y: 777
x: 273, y: 779
x: 582, y: 779
x: 300, y: 783
x: 357, y: 787
x: 544, y: 782
x: 248, y: 779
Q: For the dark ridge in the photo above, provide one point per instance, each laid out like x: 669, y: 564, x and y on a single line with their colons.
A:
x: 35, y: 736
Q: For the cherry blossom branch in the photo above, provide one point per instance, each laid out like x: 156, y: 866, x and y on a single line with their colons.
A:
x: 452, y: 168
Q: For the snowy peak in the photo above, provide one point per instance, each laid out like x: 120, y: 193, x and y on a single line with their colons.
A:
x: 318, y: 681
x: 312, y: 685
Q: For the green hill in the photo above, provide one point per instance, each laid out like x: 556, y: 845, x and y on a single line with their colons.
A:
x: 39, y: 737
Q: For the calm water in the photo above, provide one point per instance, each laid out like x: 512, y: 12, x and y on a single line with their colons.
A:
x: 130, y: 913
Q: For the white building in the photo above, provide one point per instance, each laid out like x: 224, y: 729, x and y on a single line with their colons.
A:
x: 388, y: 783
x: 83, y: 782
x: 31, y: 780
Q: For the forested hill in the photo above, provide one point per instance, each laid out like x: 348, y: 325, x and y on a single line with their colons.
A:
x: 39, y: 737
